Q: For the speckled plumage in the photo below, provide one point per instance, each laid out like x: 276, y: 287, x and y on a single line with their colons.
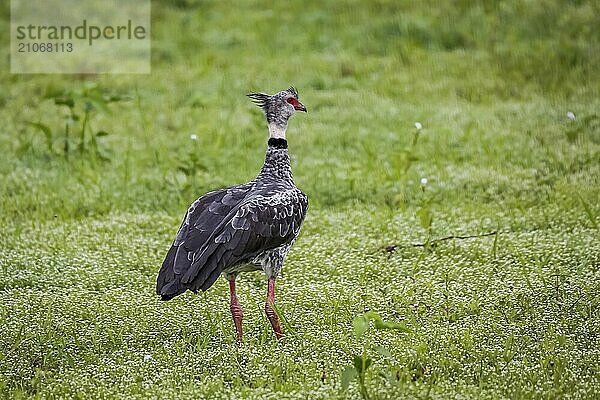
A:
x: 241, y: 228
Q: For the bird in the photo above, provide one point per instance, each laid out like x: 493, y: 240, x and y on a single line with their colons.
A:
x: 242, y: 228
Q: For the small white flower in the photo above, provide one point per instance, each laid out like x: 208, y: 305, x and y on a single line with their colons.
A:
x: 571, y: 115
x: 418, y: 126
x: 193, y: 136
x: 148, y: 357
x: 423, y: 182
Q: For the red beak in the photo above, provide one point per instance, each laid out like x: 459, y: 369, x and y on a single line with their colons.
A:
x: 299, y: 106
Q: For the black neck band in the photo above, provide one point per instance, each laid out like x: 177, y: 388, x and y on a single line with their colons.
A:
x: 278, y: 143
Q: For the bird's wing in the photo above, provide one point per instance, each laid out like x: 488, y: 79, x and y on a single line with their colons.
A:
x: 263, y: 221
x: 201, y: 219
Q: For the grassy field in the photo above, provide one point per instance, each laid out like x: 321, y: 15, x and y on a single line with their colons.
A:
x: 483, y: 282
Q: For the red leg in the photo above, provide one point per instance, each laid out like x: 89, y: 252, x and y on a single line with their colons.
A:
x: 236, y: 310
x: 269, y: 309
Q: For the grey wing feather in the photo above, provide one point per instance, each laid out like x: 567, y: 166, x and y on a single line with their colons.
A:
x: 244, y: 234
x: 201, y: 219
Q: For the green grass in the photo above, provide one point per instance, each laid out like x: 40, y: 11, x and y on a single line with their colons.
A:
x: 510, y: 315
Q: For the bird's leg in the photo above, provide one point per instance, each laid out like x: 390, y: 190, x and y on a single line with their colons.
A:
x: 236, y: 310
x: 270, y: 310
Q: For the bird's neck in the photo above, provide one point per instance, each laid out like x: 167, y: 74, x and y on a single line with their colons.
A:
x: 277, y: 160
x: 277, y: 129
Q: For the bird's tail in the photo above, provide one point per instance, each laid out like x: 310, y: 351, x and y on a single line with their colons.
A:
x: 168, y: 284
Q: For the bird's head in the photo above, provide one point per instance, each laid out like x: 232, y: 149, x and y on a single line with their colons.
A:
x: 278, y: 107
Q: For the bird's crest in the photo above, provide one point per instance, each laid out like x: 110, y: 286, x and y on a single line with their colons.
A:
x: 260, y: 99
x: 293, y: 91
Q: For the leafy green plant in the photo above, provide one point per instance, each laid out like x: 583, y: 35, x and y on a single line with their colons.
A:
x: 78, y: 136
x: 405, y: 158
x: 191, y: 163
x: 362, y: 362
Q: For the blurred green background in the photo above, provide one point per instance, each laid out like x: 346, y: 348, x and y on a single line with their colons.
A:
x: 491, y: 82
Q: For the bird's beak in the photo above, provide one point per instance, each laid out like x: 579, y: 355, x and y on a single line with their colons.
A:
x: 300, y: 107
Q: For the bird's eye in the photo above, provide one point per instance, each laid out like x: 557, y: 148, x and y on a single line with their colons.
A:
x: 292, y: 101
